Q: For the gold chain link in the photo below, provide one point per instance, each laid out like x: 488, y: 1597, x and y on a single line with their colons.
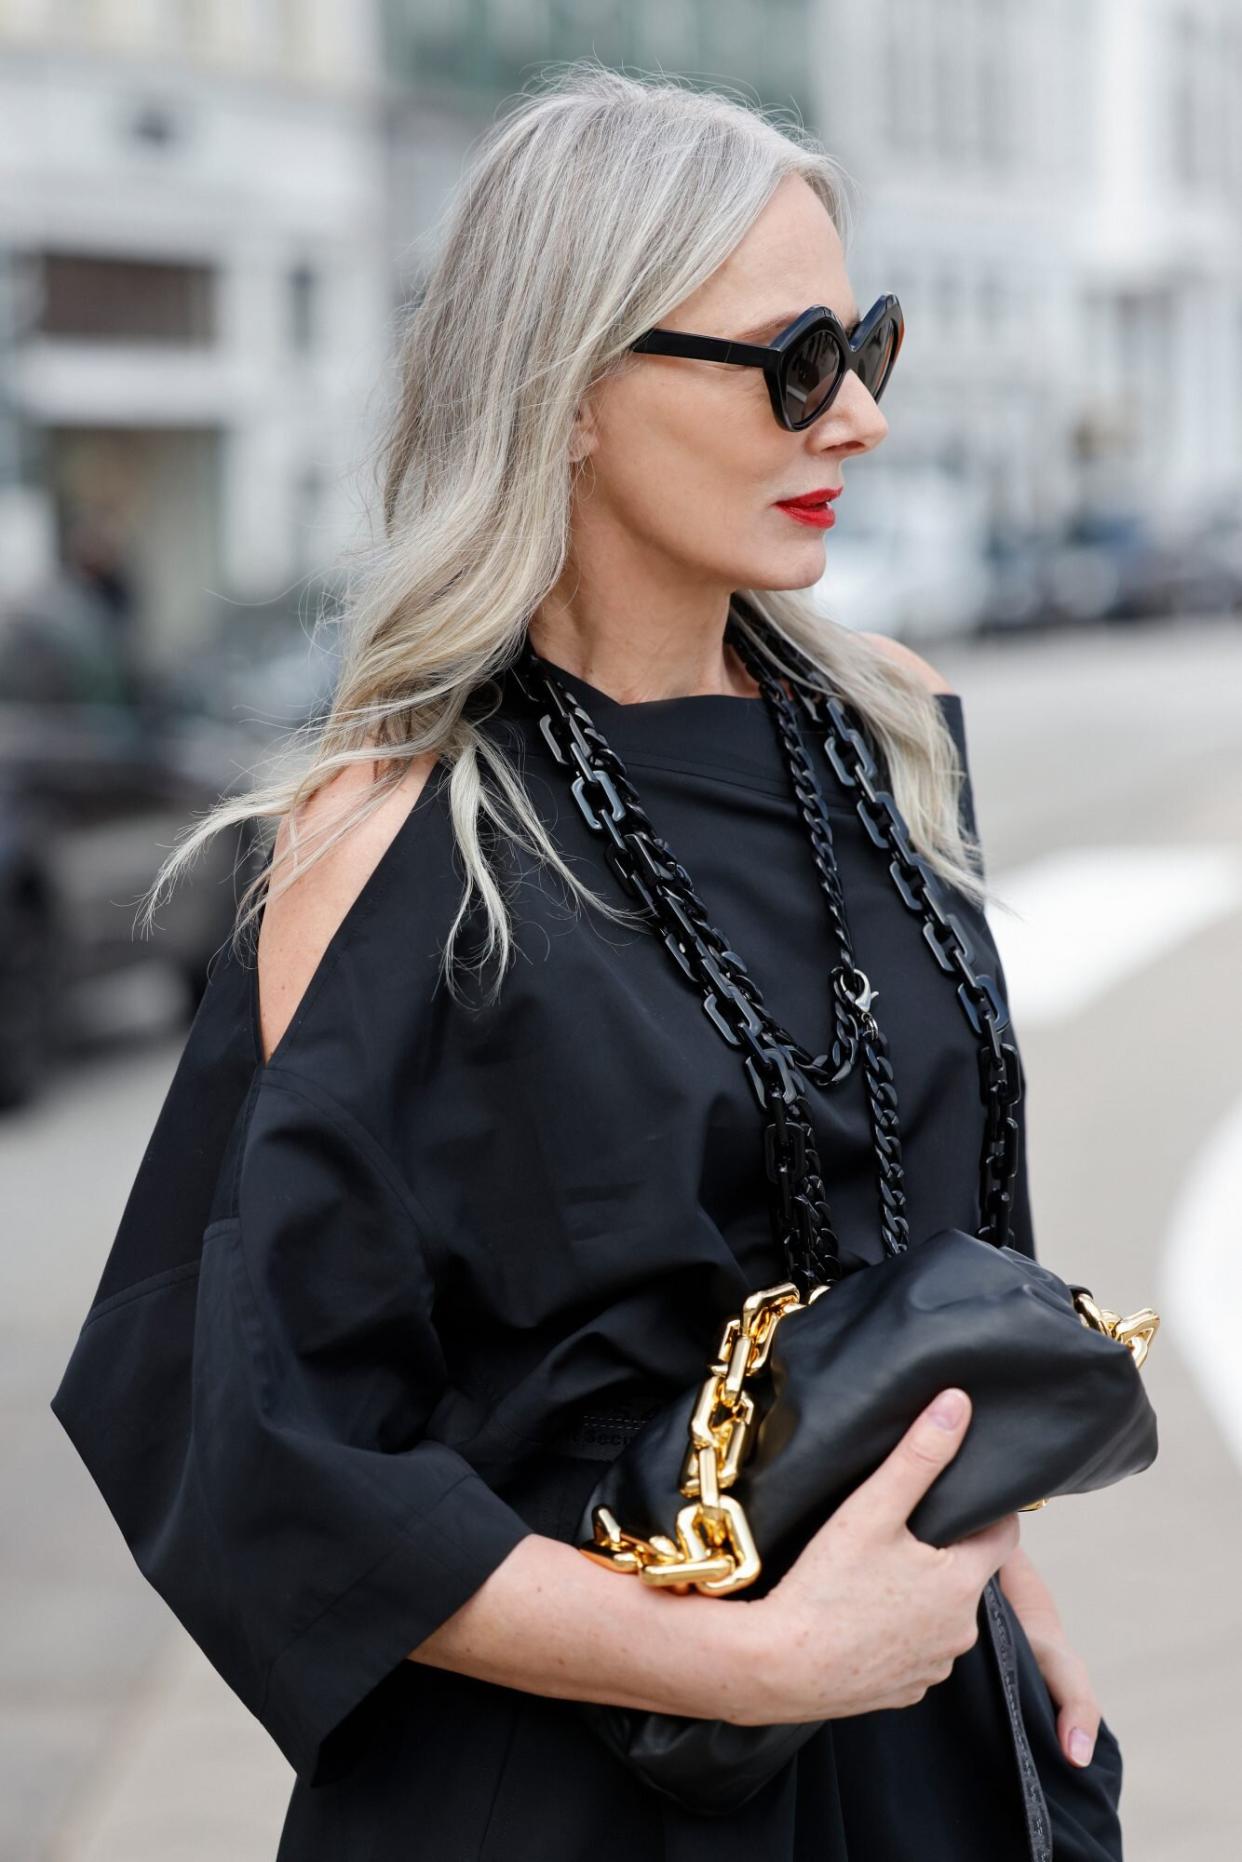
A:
x: 714, y: 1551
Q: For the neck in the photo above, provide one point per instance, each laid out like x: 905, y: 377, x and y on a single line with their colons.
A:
x: 637, y: 643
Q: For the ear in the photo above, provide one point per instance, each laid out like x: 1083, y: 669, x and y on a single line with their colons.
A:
x: 585, y: 435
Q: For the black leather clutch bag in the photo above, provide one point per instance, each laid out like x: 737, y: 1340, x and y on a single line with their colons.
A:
x: 722, y: 1488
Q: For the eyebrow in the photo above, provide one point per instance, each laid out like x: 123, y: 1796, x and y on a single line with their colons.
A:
x: 772, y: 325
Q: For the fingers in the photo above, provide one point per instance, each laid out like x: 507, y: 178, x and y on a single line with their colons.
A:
x: 982, y: 1553
x: 1078, y: 1718
x: 924, y: 1451
x: 1077, y: 1727
x: 1078, y: 1721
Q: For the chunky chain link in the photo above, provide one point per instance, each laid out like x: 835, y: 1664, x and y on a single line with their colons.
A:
x: 774, y: 1062
x: 857, y: 770
x: 878, y: 1078
x: 776, y: 1065
x: 714, y: 1549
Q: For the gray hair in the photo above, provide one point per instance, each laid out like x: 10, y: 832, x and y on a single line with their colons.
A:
x: 591, y: 210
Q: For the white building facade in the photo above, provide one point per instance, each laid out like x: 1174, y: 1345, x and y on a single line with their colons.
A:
x: 209, y: 209
x: 1055, y: 193
x: 1160, y: 242
x: 193, y: 211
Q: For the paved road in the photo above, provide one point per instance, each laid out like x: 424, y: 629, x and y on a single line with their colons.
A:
x: 1133, y: 741
x: 1108, y: 772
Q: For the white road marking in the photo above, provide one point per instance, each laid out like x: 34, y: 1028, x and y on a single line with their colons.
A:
x: 1200, y: 1275
x: 1092, y: 916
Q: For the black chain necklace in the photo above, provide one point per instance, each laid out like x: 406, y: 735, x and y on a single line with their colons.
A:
x: 777, y: 1066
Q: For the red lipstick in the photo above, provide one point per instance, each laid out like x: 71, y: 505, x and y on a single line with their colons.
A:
x: 812, y: 507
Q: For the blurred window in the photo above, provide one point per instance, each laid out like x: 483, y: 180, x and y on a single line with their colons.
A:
x: 1204, y: 88
x: 488, y: 43
x: 950, y: 295
x: 1183, y: 101
x: 129, y: 300
x: 303, y: 309
x: 910, y: 73
x: 307, y: 515
x: 992, y: 305
x: 1231, y: 65
x: 1106, y: 529
x: 951, y: 86
x: 998, y: 57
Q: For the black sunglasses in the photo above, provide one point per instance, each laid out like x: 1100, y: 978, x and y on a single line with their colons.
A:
x: 805, y: 365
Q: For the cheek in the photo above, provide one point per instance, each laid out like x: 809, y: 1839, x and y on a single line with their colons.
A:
x: 696, y: 464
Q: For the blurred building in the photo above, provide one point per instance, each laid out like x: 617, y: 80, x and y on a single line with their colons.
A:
x: 455, y: 63
x: 1054, y: 190
x: 1055, y: 193
x: 195, y: 250
x: 208, y: 209
x: 1160, y: 246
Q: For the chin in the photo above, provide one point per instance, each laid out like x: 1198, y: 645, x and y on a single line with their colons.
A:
x: 787, y: 573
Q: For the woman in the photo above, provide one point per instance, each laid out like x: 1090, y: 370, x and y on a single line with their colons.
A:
x: 455, y: 1180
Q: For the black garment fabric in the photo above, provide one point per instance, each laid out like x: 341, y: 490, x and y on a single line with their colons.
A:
x: 359, y: 1291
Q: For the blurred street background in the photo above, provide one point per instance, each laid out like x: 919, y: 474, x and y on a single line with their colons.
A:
x: 211, y: 213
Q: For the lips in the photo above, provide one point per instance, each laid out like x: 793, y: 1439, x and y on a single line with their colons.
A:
x: 812, y: 507
x: 810, y: 500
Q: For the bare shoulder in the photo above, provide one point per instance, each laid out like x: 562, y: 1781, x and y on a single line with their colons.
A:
x: 912, y: 661
x: 299, y: 922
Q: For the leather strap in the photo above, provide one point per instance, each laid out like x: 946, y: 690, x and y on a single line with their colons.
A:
x: 1034, y: 1803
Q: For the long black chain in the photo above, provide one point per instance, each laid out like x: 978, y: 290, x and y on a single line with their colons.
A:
x: 776, y: 1065
x: 1000, y: 1070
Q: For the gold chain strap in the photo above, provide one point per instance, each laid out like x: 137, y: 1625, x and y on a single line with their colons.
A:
x: 714, y: 1550
x: 1136, y: 1333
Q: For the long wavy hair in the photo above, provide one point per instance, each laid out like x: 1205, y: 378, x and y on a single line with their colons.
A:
x: 591, y: 209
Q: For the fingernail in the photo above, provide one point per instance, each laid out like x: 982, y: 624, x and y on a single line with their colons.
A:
x: 1080, y: 1746
x: 948, y: 1407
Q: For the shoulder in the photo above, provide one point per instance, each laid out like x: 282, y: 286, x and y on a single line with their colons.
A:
x: 300, y: 920
x: 912, y: 661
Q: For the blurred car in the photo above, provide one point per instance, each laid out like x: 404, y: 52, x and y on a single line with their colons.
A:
x: 1109, y: 565
x: 1043, y: 577
x: 101, y: 768
x: 1159, y: 566
x: 1101, y: 564
x: 905, y: 558
x: 1206, y: 556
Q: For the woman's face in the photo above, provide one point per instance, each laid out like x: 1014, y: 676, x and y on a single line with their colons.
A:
x: 686, y: 458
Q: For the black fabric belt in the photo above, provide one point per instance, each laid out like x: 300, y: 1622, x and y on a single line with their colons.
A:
x: 601, y: 1433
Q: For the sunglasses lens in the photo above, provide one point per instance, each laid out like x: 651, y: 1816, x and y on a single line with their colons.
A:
x: 877, y: 355
x: 812, y: 370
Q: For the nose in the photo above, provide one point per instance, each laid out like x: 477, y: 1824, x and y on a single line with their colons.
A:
x: 854, y: 422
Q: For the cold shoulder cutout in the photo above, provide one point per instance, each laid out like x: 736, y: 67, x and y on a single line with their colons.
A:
x: 303, y: 920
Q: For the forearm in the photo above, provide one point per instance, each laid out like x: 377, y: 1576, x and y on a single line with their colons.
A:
x: 550, y: 1621
x: 1029, y: 1595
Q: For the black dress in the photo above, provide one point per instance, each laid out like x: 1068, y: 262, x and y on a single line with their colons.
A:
x: 358, y: 1293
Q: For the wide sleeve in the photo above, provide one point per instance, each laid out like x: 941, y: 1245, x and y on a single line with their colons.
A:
x: 262, y: 1430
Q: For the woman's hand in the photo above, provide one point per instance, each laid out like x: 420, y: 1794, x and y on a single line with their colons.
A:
x: 868, y: 1616
x: 1063, y: 1668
